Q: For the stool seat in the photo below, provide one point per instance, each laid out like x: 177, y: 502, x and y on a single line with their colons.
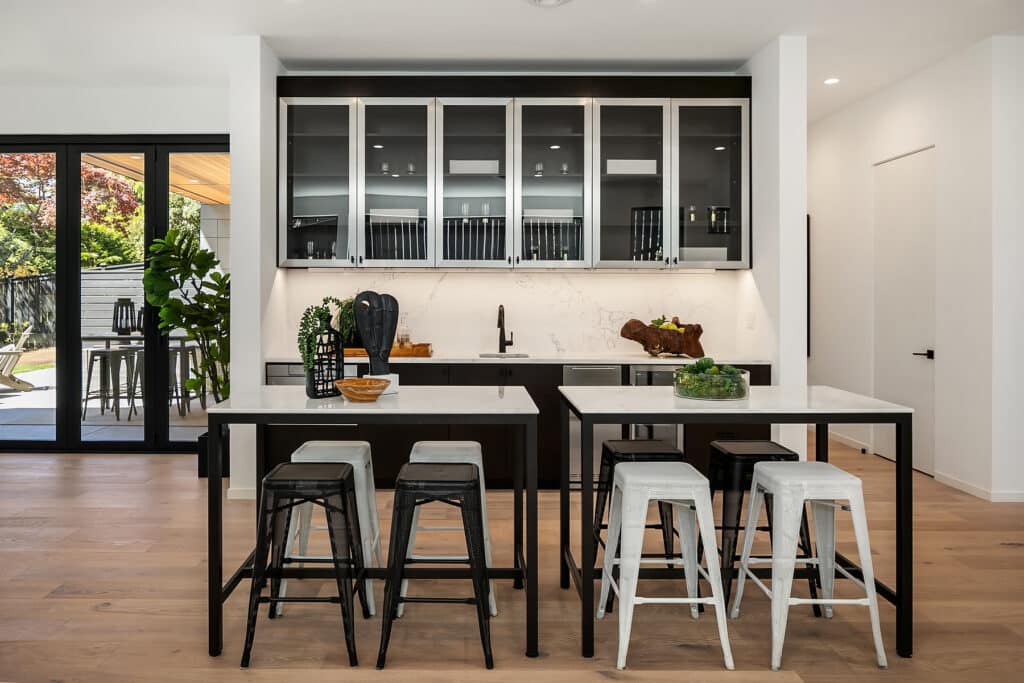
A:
x: 809, y: 476
x: 656, y: 475
x: 648, y: 448
x: 330, y: 451
x: 294, y: 473
x: 750, y: 448
x: 422, y: 476
x: 445, y: 451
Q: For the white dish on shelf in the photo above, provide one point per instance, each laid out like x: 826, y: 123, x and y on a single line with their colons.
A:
x: 632, y: 166
x: 474, y: 166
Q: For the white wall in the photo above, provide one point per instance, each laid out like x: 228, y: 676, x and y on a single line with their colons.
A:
x: 775, y: 294
x: 78, y: 110
x: 254, y: 217
x: 949, y: 105
x: 1007, y: 273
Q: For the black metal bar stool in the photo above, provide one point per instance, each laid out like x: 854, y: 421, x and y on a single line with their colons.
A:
x: 456, y: 484
x: 636, y: 450
x: 731, y: 469
x: 290, y: 484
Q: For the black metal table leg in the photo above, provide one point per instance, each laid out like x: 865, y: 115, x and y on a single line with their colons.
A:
x: 821, y: 442
x: 532, y: 593
x: 904, y: 537
x: 587, y: 535
x: 563, y: 499
x: 214, y: 531
x: 517, y: 502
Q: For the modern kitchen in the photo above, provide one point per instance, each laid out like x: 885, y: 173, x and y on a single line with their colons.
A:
x: 564, y: 359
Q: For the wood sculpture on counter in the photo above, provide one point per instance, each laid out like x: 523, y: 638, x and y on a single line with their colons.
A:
x: 676, y: 338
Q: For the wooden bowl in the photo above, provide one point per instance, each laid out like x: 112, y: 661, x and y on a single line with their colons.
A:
x: 362, y: 389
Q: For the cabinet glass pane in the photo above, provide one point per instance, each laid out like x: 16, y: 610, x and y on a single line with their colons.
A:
x: 553, y: 183
x: 632, y: 177
x: 396, y: 182
x: 474, y: 167
x: 710, y: 184
x: 318, y: 191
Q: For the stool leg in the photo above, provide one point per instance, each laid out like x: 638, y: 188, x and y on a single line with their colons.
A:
x: 88, y: 383
x: 357, y: 558
x: 611, y: 549
x: 401, y: 526
x: 825, y: 537
x: 631, y: 543
x: 732, y: 509
x: 706, y: 522
x: 753, y: 512
x: 340, y: 531
x: 472, y: 525
x: 808, y: 551
x: 493, y: 601
x: 688, y: 540
x: 604, y: 486
x: 279, y: 527
x: 259, y: 568
x: 410, y: 547
x: 667, y: 536
x: 293, y: 532
x: 785, y: 535
x: 860, y: 530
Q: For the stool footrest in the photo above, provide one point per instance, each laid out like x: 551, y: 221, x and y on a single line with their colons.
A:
x: 458, y: 601
x: 264, y: 599
x: 436, y: 560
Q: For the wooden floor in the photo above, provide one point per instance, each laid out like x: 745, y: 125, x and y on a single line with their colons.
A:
x: 103, y: 578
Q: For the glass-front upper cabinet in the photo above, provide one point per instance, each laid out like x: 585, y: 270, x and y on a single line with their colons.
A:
x: 317, y: 211
x: 631, y: 192
x: 396, y: 165
x: 710, y: 187
x: 552, y: 183
x: 474, y: 182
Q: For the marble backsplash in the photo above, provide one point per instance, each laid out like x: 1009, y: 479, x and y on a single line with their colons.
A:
x: 548, y: 311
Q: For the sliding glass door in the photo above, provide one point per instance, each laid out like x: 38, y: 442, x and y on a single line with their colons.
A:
x: 82, y: 363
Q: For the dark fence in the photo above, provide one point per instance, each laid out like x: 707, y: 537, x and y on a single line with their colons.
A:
x: 30, y: 299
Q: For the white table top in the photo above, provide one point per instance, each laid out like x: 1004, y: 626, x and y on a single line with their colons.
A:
x: 410, y: 400
x: 808, y: 400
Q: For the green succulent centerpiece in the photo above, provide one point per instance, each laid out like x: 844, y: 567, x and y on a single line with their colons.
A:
x: 708, y: 381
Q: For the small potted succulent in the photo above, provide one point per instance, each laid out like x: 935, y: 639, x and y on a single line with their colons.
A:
x: 321, y: 344
x: 710, y: 382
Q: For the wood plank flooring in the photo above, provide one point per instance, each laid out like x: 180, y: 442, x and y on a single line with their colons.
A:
x: 103, y: 578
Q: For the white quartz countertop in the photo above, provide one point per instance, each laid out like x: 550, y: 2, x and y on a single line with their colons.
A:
x: 810, y: 400
x: 411, y: 400
x: 610, y: 358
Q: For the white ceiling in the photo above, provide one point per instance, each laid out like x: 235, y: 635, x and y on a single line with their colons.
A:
x: 867, y: 43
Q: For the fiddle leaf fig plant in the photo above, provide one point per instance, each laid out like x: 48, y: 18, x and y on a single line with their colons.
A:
x: 182, y: 279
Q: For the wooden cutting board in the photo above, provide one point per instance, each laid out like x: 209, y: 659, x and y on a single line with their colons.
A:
x: 414, y: 351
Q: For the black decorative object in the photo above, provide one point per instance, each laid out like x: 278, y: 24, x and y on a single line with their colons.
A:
x: 377, y: 320
x: 124, y: 316
x: 328, y: 366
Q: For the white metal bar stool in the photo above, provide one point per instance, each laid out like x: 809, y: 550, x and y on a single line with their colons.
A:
x: 635, y: 486
x: 356, y: 454
x: 791, y: 484
x: 449, y: 452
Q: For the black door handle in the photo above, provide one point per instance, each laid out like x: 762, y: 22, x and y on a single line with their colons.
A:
x: 929, y: 354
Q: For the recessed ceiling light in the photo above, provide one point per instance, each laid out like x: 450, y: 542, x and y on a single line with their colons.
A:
x: 136, y: 156
x: 556, y: 147
x: 395, y: 175
x: 720, y: 148
x: 378, y: 146
x: 831, y: 80
x: 547, y: 3
x: 193, y: 180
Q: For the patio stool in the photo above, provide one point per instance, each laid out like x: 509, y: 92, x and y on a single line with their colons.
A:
x: 329, y: 485
x: 110, y: 360
x: 616, y: 452
x: 635, y: 486
x: 456, y: 484
x: 791, y: 484
x: 450, y: 452
x: 356, y: 454
x: 731, y: 469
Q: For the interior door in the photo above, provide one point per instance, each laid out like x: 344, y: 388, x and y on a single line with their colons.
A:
x: 904, y: 299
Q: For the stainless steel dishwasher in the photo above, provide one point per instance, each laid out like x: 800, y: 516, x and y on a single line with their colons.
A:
x: 590, y: 376
x: 658, y: 376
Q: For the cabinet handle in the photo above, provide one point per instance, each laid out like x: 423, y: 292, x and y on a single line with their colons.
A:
x: 929, y: 354
x: 360, y: 259
x: 667, y: 262
x: 517, y: 260
x: 510, y: 260
x: 352, y: 259
x: 675, y: 260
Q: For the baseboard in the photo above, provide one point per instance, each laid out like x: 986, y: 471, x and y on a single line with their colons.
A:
x: 1007, y: 496
x: 241, y: 493
x: 964, y: 486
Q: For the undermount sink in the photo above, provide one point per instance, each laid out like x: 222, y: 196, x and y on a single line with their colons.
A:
x: 504, y: 355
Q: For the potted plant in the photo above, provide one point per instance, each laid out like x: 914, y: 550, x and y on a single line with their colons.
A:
x: 183, y: 281
x: 321, y: 342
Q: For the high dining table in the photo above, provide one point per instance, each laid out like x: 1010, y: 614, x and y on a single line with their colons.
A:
x: 412, y: 405
x: 817, y: 405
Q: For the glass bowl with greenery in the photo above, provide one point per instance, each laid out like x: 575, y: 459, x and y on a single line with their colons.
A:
x: 707, y: 381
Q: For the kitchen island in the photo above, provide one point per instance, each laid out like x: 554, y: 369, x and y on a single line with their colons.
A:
x: 414, y: 405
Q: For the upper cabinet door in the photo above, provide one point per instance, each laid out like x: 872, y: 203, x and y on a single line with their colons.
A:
x: 317, y: 211
x: 632, y: 193
x: 553, y: 183
x: 474, y: 182
x: 396, y: 166
x: 710, y: 187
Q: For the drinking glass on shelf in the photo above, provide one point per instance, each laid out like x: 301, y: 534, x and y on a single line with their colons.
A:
x: 411, y: 168
x: 465, y: 211
x: 565, y: 168
x: 485, y: 210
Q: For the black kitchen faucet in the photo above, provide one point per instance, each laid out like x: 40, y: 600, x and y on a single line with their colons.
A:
x: 502, y: 342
